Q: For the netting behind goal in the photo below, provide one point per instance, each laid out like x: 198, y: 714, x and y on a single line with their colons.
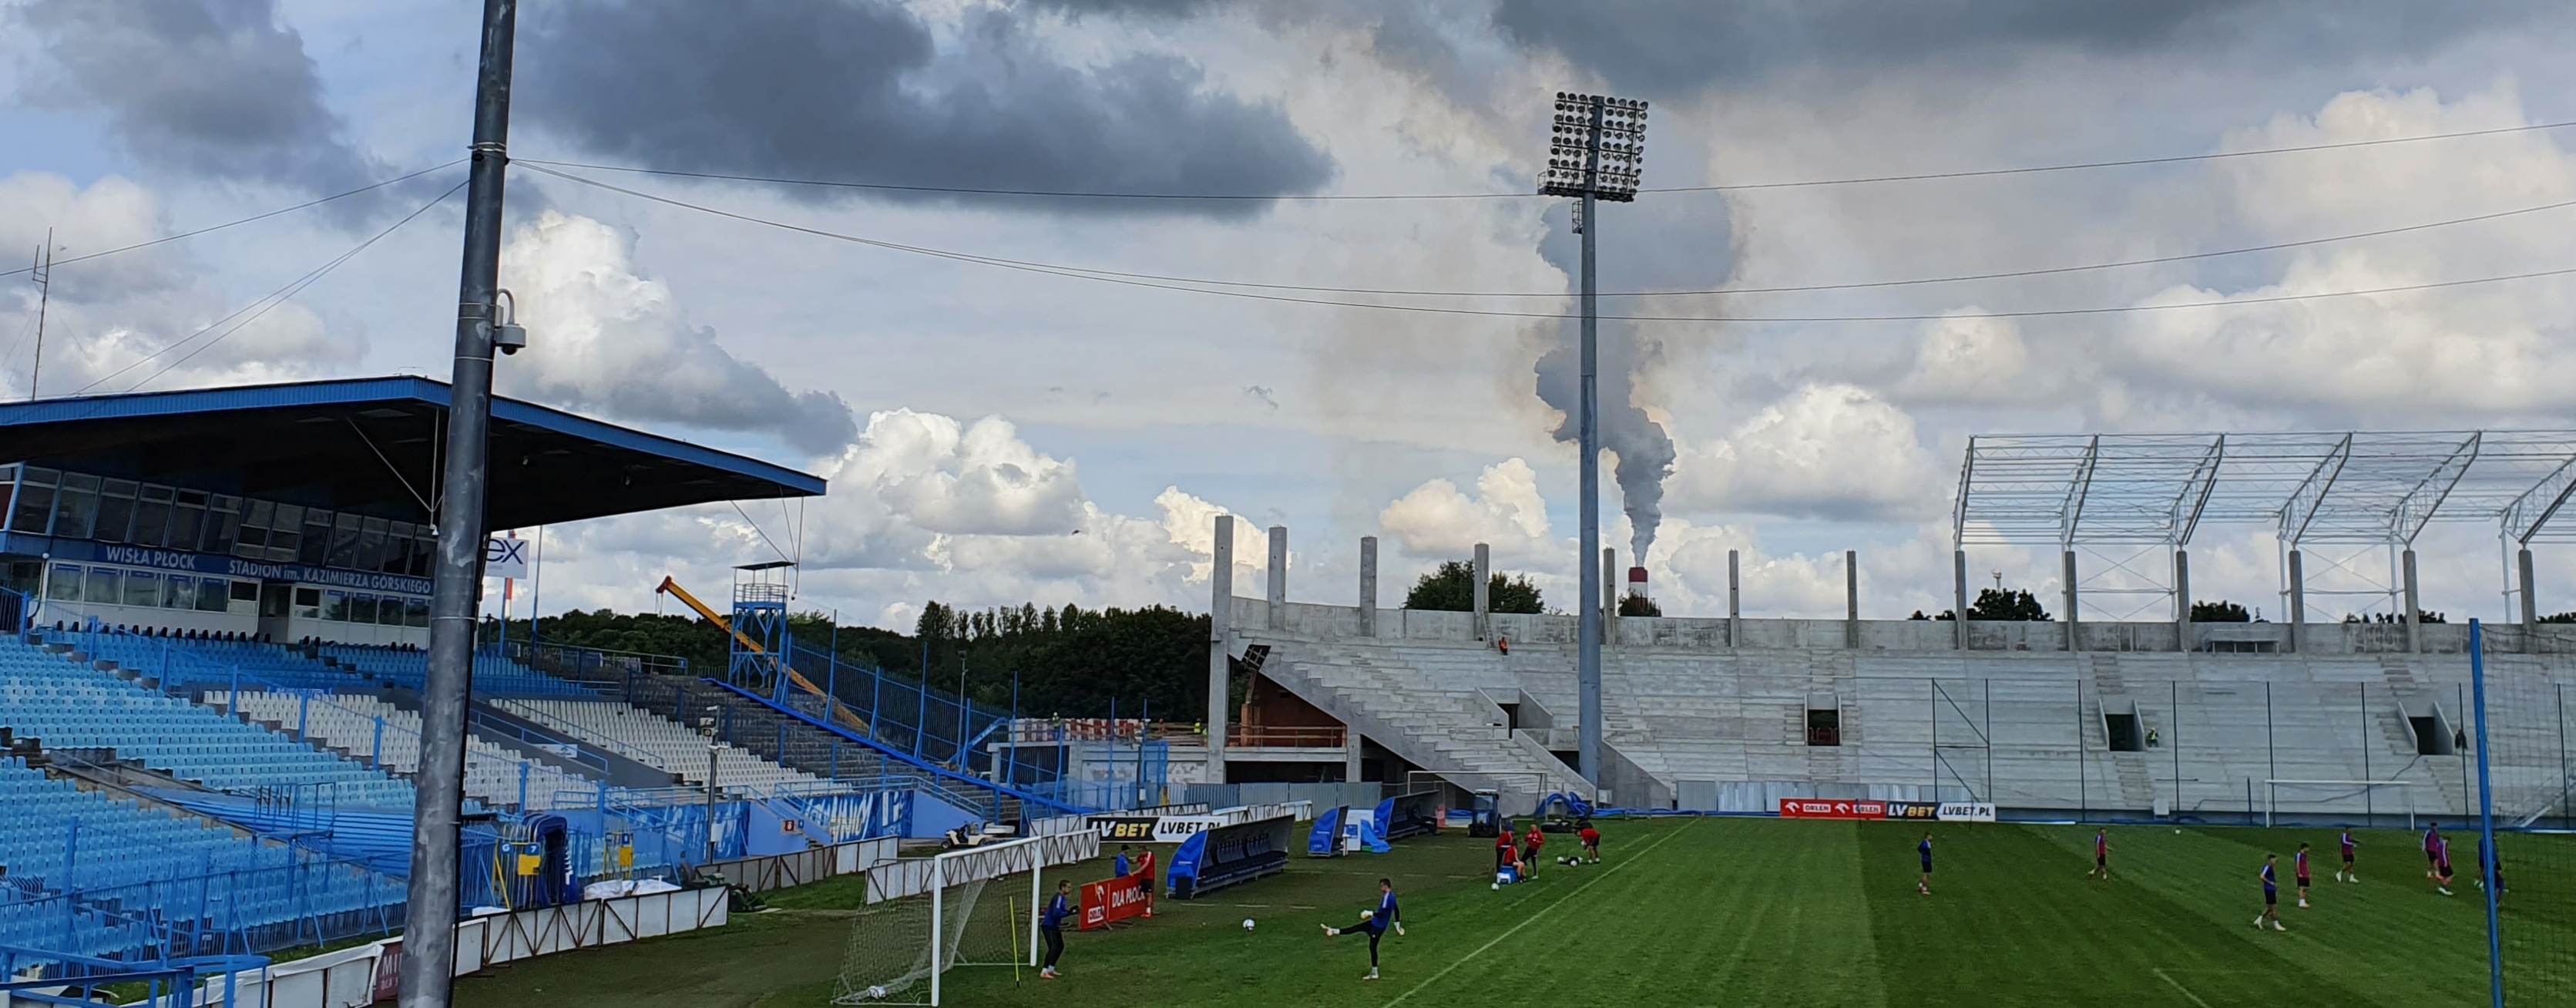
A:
x: 892, y: 947
x: 963, y: 908
x: 2524, y: 737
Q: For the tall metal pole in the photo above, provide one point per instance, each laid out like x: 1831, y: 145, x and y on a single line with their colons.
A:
x: 1588, y: 634
x: 429, y: 918
x: 43, y: 273
x: 2486, y: 817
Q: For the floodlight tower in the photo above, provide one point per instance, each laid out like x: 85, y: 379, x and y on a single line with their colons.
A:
x: 1595, y: 152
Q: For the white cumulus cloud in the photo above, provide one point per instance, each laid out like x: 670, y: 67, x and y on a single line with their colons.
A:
x: 1827, y: 450
x: 603, y: 337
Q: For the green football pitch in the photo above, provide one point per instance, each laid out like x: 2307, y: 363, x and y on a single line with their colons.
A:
x: 1717, y: 911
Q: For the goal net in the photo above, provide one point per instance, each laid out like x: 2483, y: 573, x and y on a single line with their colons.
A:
x: 975, y: 907
x: 2522, y: 772
x: 2361, y: 803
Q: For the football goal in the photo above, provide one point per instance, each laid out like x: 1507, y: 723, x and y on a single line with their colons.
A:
x: 926, y: 916
x: 2352, y: 800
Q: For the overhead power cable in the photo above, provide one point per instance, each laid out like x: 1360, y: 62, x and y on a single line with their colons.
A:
x: 246, y: 314
x: 1848, y: 285
x: 1351, y: 197
x: 1100, y: 277
x: 306, y: 205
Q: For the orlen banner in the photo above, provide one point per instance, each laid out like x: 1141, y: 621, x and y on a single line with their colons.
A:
x: 1830, y: 808
x: 1114, y: 900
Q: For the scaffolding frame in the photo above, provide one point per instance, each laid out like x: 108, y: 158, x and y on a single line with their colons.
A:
x: 2349, y: 488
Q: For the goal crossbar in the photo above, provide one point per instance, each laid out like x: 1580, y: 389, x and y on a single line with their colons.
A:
x: 2364, y: 789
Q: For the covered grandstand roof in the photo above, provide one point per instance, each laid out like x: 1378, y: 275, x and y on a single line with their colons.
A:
x: 2323, y: 487
x: 373, y: 445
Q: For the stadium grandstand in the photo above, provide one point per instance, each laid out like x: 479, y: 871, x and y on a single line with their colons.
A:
x: 215, y: 605
x: 2064, y: 717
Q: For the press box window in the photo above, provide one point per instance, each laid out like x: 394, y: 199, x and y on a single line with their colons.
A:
x: 142, y: 589
x: 152, y: 517
x: 75, y: 505
x: 104, y: 586
x: 308, y: 603
x: 34, y: 513
x: 215, y: 594
x: 65, y: 585
x: 115, y: 511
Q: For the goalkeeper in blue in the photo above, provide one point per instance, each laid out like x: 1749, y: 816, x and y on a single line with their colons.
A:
x: 1375, y: 922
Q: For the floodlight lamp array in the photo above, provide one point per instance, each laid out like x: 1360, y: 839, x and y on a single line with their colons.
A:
x: 1596, y: 146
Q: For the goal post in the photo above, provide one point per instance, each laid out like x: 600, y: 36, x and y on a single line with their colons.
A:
x: 972, y: 907
x: 2364, y: 799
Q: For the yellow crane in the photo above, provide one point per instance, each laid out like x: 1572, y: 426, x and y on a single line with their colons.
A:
x: 840, y: 712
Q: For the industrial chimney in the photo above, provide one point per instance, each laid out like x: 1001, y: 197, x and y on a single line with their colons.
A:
x: 1636, y: 582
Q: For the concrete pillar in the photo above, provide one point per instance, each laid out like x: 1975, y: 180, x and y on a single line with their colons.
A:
x: 2298, y: 602
x: 1483, y: 588
x: 2530, y: 606
x: 1734, y: 601
x: 1279, y: 577
x: 2182, y: 600
x: 2414, y: 615
x: 1350, y: 754
x: 1610, y: 596
x: 1220, y: 625
x: 1368, y: 586
x: 1851, y: 599
x: 1959, y: 591
x: 2072, y: 614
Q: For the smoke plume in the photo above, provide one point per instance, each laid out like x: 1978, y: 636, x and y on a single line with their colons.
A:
x: 1645, y: 451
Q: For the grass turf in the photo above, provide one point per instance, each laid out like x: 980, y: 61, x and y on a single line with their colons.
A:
x: 1704, y: 911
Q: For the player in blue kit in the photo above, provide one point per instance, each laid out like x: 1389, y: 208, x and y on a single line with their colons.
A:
x: 2271, y: 896
x: 2346, y: 873
x: 1925, y: 849
x: 1375, y: 922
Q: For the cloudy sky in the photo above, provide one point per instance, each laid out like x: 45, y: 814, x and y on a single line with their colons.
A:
x: 995, y: 433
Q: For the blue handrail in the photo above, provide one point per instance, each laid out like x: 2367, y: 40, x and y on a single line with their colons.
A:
x: 900, y: 756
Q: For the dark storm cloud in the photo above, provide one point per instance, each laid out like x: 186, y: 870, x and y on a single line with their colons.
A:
x: 858, y: 90
x: 1664, y: 46
x: 216, y: 88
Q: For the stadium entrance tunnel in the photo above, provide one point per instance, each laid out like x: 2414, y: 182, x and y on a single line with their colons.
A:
x: 2120, y: 727
x: 2434, y: 734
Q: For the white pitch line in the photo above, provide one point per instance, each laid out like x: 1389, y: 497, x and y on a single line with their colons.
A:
x: 2177, y: 985
x: 1533, y: 918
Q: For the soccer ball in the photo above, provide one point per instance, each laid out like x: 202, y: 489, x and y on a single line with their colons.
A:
x: 1366, y: 914
x: 1247, y: 923
x: 876, y: 993
x: 1498, y: 887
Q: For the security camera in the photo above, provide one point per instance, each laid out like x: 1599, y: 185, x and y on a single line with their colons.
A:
x: 508, y: 336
